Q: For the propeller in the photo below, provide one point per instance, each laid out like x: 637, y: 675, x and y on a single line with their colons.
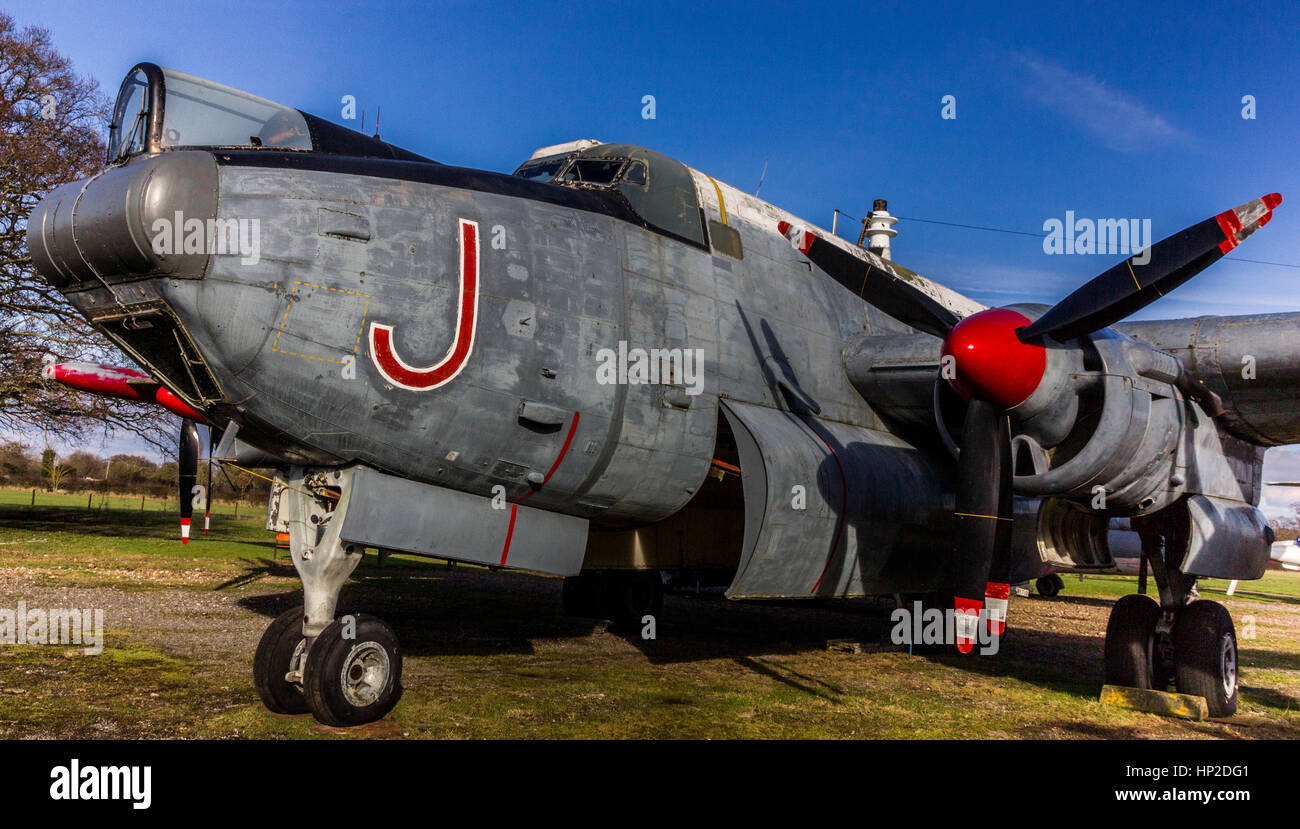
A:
x: 1131, y: 285
x: 133, y: 384
x: 207, y: 495
x: 895, y: 296
x: 187, y: 460
x: 984, y: 510
x: 999, y: 360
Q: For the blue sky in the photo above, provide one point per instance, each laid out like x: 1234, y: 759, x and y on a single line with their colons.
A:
x: 1104, y: 109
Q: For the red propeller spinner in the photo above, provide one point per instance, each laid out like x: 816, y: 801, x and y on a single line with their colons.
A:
x: 990, y: 362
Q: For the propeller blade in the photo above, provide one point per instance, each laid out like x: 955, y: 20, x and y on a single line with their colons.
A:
x: 207, y: 497
x: 900, y: 299
x: 1129, y: 286
x: 983, y: 496
x: 997, y: 592
x: 187, y: 460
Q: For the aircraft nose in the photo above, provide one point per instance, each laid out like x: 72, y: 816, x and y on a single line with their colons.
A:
x: 122, y: 223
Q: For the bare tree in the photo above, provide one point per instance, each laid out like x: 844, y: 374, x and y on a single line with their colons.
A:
x: 51, y: 121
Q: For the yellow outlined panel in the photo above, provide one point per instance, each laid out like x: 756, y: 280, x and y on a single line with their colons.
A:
x: 281, y: 330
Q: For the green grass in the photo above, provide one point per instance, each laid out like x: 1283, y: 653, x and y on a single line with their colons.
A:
x: 1275, y: 586
x: 491, y: 654
x: 115, y: 502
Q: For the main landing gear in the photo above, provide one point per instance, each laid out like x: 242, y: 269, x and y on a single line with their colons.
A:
x: 1050, y: 585
x: 622, y: 596
x: 1180, y: 641
x: 346, y: 670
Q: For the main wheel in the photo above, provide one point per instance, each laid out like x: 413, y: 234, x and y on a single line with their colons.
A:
x: 280, y: 648
x: 350, y: 680
x: 1131, y: 642
x: 1205, y: 656
x: 1050, y: 585
x: 582, y: 595
x: 633, y: 594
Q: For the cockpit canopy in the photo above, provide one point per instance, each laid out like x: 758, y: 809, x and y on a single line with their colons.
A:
x: 658, y: 189
x: 161, y: 109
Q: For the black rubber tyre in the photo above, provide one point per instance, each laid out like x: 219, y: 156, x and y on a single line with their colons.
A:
x: 633, y: 594
x: 357, y: 680
x: 272, y: 661
x: 582, y: 595
x: 1131, y: 642
x: 1205, y: 656
x: 1049, y: 585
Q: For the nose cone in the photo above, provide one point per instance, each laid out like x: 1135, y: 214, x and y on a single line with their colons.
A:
x: 122, y: 224
x: 989, y: 360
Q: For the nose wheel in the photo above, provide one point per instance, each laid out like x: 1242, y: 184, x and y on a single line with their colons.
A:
x: 278, y: 658
x: 353, y: 673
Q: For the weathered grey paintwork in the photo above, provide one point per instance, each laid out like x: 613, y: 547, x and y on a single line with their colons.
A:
x: 819, y: 389
x: 398, y: 514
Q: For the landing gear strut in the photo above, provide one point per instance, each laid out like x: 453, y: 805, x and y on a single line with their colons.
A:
x: 1181, y: 641
x: 348, y: 670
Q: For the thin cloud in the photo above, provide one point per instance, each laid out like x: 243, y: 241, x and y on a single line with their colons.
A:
x: 1120, y: 120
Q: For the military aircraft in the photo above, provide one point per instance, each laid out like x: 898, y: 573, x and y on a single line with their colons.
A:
x: 1286, y: 554
x: 607, y: 365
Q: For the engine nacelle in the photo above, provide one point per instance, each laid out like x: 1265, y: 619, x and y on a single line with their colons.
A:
x: 1122, y: 449
x: 1109, y: 426
x: 1251, y: 362
x: 1225, y: 539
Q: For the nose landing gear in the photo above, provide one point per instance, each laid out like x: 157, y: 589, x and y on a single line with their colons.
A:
x: 345, y: 670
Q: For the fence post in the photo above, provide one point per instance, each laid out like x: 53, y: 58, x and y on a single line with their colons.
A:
x: 90, y: 500
x: 33, y: 497
x: 141, y: 503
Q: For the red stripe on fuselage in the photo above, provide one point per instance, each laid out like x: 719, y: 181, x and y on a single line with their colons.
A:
x: 564, y: 450
x: 510, y: 533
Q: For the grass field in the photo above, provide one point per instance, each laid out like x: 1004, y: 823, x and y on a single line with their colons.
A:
x: 111, y: 501
x: 492, y: 655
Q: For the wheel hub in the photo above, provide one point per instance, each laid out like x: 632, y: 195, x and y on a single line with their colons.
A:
x: 1228, y: 657
x: 365, y: 673
x: 294, y: 675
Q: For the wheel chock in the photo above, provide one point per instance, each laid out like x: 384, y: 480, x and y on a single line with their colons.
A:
x: 1185, y: 706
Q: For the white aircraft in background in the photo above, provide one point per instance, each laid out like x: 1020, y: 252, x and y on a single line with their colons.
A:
x: 1286, y: 554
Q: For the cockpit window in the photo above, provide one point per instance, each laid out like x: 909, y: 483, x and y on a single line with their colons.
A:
x: 543, y: 171
x: 659, y: 190
x: 593, y: 171
x: 635, y: 174
x: 199, y: 113
x: 127, y: 135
